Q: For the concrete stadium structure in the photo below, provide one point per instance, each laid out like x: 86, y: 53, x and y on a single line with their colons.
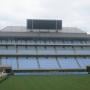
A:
x: 65, y: 50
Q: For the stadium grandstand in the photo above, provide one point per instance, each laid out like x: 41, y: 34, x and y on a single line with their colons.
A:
x: 44, y: 47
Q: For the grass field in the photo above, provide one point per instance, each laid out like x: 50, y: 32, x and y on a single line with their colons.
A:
x: 46, y: 83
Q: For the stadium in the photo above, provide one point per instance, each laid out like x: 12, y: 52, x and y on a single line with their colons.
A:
x: 44, y: 55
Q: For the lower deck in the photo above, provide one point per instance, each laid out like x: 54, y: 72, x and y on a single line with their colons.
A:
x: 47, y: 63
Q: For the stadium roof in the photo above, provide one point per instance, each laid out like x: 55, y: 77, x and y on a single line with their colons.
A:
x: 23, y: 32
x: 24, y: 29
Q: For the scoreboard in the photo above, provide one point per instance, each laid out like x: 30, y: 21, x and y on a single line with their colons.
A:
x: 44, y: 24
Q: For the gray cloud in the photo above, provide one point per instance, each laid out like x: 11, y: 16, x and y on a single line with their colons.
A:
x: 74, y: 13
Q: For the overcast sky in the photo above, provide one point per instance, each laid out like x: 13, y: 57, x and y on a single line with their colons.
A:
x: 74, y: 13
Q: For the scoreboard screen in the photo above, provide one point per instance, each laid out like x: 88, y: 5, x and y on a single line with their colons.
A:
x: 44, y: 24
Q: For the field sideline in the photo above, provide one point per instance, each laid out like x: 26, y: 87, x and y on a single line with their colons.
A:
x: 69, y: 82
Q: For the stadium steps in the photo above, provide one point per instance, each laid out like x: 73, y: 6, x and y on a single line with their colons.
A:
x: 58, y: 63
x: 38, y: 63
x: 78, y: 63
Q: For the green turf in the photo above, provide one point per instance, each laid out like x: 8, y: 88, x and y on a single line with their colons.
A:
x: 46, y: 83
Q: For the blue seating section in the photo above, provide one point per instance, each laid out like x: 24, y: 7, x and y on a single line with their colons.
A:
x: 47, y: 42
x: 45, y: 63
x: 64, y: 50
x: 84, y: 62
x: 26, y: 50
x: 28, y: 63
x: 45, y: 50
x: 32, y: 54
x: 68, y: 63
x: 48, y: 63
x: 82, y: 50
x: 10, y: 62
x: 9, y: 50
